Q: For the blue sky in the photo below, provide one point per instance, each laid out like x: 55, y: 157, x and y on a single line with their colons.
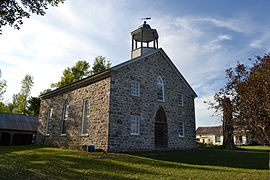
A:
x: 202, y: 38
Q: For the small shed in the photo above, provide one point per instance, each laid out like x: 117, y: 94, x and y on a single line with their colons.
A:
x: 17, y: 129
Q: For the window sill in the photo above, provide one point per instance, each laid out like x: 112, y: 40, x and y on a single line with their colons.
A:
x: 84, y: 135
x: 181, y: 136
x: 47, y: 135
x: 160, y: 100
x: 135, y: 134
x: 63, y: 135
x: 180, y: 105
x: 135, y: 95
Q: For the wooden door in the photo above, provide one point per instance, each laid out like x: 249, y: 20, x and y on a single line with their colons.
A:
x: 161, y: 130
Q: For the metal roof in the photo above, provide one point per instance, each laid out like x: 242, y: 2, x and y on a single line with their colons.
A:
x: 18, y: 122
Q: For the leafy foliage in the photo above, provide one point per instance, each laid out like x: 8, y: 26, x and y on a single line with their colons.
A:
x: 23, y: 96
x: 33, y: 106
x: 3, y: 86
x: 248, y: 90
x: 12, y: 12
x: 21, y: 104
x: 100, y: 64
x: 4, y: 108
x: 75, y: 73
x: 253, y: 106
x: 45, y: 91
x: 80, y: 70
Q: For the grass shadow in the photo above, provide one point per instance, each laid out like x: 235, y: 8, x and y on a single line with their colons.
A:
x: 66, y: 164
x: 247, y: 158
x: 9, y: 149
x: 37, y: 162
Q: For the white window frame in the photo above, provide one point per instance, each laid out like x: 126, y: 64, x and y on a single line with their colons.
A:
x: 136, y: 120
x: 135, y: 88
x: 216, y: 138
x: 64, y: 119
x: 160, y: 84
x: 48, y: 120
x: 85, y: 117
x: 181, y: 129
x: 180, y: 100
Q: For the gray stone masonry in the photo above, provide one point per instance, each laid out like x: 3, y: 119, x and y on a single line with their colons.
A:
x: 111, y: 105
x: 98, y: 94
x: 123, y: 104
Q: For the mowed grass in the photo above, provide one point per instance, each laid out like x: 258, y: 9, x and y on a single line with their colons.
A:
x: 36, y: 162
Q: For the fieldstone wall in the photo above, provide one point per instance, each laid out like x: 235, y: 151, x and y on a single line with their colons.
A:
x: 98, y: 94
x: 123, y: 104
x: 111, y: 105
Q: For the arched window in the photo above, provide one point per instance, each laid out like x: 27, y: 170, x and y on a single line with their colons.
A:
x: 160, y: 89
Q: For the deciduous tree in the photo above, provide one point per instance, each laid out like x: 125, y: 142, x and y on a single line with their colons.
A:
x: 245, y: 100
x: 254, y: 99
x: 33, y: 106
x: 24, y: 94
x: 3, y: 86
x: 72, y: 74
x: 4, y: 108
x: 80, y: 70
x: 12, y: 12
x: 100, y: 64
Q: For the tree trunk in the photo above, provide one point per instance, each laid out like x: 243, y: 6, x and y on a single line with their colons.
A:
x: 228, y: 127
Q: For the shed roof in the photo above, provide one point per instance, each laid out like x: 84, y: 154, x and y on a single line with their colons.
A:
x: 209, y: 130
x: 18, y: 122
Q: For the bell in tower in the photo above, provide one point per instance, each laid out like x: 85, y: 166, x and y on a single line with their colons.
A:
x: 144, y: 40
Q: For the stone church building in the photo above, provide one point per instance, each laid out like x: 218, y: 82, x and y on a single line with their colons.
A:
x: 142, y: 104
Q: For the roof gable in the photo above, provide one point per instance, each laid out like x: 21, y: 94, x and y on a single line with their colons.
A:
x: 166, y: 58
x: 99, y: 76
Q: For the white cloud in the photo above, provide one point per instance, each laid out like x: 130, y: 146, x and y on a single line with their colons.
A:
x: 236, y: 24
x: 204, y: 115
x: 202, y: 47
x: 215, y: 44
x: 261, y: 42
x: 196, y: 53
x: 224, y: 37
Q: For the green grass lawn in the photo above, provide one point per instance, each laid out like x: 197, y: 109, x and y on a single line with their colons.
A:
x: 36, y: 162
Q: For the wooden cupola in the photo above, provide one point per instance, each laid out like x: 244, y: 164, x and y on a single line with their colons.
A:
x: 144, y: 40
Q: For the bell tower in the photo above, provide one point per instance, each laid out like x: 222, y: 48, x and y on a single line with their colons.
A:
x: 144, y: 40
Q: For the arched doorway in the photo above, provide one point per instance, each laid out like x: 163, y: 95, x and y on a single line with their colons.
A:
x: 161, y: 129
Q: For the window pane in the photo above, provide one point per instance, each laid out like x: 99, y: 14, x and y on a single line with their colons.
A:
x: 86, y: 108
x: 134, y: 124
x: 181, y: 100
x: 159, y: 80
x: 85, y: 118
x: 181, y: 129
x: 49, y: 117
x: 63, y: 127
x: 160, y: 93
x: 160, y: 89
x: 66, y: 111
x: 135, y: 89
x: 217, y: 138
x: 51, y: 112
x: 64, y: 118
